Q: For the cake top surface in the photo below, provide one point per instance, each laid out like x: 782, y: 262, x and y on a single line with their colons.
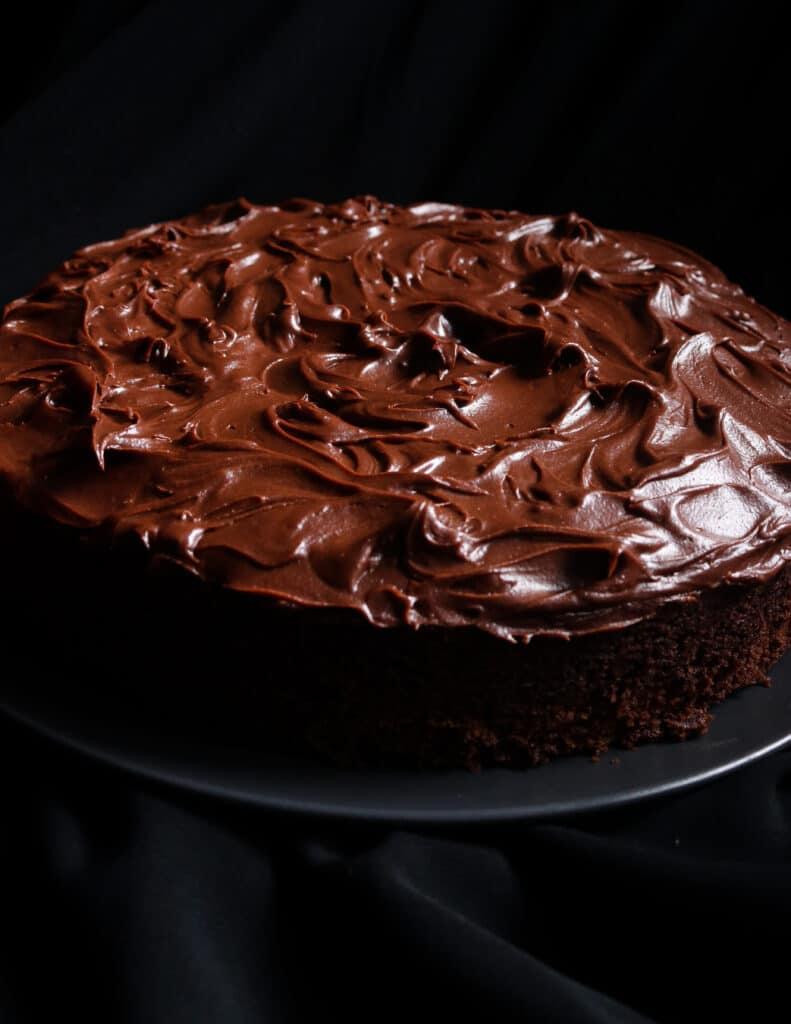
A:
x: 431, y: 415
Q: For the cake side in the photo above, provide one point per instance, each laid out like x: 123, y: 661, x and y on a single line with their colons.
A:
x: 322, y: 681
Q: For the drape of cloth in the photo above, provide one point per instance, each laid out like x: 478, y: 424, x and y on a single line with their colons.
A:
x: 125, y: 902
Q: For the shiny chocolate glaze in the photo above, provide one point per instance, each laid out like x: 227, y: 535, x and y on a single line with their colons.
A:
x: 430, y: 415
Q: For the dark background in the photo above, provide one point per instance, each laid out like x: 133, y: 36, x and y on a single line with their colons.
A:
x: 665, y: 118
x: 127, y: 903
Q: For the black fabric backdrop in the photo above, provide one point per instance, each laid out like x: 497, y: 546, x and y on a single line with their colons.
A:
x: 131, y: 903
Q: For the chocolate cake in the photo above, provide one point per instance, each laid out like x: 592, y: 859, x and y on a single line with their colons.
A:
x: 420, y: 484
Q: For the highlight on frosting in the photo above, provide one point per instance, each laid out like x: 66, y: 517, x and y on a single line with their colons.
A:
x: 431, y: 415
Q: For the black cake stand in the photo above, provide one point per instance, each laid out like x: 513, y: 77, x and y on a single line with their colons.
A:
x: 749, y: 725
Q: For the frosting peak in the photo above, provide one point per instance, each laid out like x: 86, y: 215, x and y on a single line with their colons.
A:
x: 430, y: 414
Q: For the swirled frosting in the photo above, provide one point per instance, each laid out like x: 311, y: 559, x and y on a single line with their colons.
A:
x: 431, y: 415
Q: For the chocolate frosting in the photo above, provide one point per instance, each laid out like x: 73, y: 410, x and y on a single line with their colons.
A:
x: 430, y: 415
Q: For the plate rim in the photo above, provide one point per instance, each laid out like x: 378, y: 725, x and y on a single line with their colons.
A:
x: 318, y: 807
x: 442, y: 817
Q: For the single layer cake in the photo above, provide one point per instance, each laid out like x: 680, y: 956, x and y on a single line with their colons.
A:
x: 432, y: 485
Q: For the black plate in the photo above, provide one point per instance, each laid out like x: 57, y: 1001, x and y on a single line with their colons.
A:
x: 747, y: 726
